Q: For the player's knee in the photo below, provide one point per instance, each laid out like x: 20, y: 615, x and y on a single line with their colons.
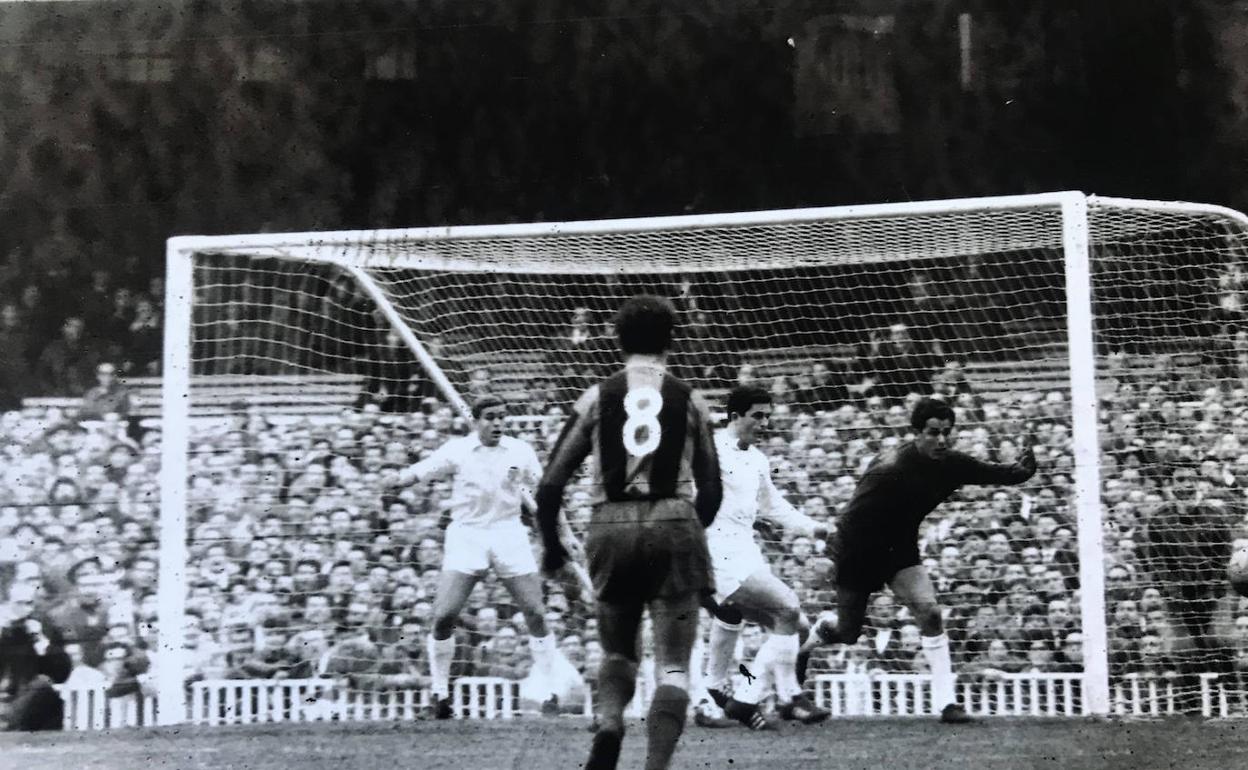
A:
x: 788, y: 618
x: 443, y: 626
x: 840, y: 632
x: 729, y: 615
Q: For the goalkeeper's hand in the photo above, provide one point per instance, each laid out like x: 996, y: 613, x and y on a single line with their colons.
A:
x: 1028, y: 458
x: 554, y: 558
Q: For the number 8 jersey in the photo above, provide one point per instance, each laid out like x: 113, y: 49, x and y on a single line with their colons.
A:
x: 649, y: 432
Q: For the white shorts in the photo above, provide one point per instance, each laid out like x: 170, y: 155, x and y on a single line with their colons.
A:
x: 734, y: 559
x: 504, y: 547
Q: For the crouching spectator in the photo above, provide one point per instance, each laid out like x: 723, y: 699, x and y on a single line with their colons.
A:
x: 32, y: 661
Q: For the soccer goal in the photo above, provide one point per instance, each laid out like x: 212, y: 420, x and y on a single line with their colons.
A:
x: 1109, y: 330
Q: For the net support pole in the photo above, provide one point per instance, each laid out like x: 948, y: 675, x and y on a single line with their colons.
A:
x: 171, y: 708
x: 409, y: 338
x: 1083, y: 408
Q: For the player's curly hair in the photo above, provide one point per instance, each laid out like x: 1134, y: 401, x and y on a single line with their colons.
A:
x: 742, y: 398
x: 927, y: 408
x: 645, y: 324
x: 485, y: 402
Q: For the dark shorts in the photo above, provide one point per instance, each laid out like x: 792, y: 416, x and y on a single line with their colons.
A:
x: 642, y: 550
x: 868, y: 566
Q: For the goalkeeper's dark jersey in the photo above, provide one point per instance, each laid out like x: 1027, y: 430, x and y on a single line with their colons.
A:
x: 901, y: 487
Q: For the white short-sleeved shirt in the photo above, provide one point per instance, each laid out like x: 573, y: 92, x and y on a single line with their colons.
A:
x: 488, y: 480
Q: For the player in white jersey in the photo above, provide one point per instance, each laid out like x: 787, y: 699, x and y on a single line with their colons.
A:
x: 745, y: 588
x: 493, y: 476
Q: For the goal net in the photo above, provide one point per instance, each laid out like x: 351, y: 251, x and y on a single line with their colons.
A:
x: 306, y: 369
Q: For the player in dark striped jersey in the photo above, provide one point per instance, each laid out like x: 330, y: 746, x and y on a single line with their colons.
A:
x: 651, y: 439
x: 877, y: 539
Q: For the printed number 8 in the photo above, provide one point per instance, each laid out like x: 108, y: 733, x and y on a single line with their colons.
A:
x: 642, y: 405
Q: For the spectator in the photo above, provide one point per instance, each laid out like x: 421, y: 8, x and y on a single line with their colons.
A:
x: 897, y: 366
x: 401, y: 665
x: 502, y: 656
x: 15, y: 346
x: 825, y: 389
x: 108, y: 396
x: 126, y: 669
x: 1069, y: 657
x: 931, y: 310
x: 540, y: 401
x: 1187, y: 543
x: 705, y: 358
x: 584, y: 352
x: 145, y: 338
x: 83, y: 617
x: 1153, y: 661
x: 97, y: 301
x: 82, y: 676
x: 996, y: 659
x: 32, y: 660
x: 1041, y: 657
x: 33, y: 311
x: 273, y: 658
x: 67, y: 365
x: 393, y: 375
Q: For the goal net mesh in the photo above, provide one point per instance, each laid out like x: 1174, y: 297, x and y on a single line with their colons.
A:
x: 306, y: 401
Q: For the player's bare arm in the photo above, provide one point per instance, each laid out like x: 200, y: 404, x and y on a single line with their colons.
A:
x: 573, y: 446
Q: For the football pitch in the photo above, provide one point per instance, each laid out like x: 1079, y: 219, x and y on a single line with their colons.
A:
x: 536, y: 744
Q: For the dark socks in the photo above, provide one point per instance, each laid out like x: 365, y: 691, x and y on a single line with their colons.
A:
x: 664, y: 725
x: 605, y: 753
x: 617, y: 678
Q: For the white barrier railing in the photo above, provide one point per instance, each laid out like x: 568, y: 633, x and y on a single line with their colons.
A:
x: 1223, y: 697
x: 1030, y: 695
x: 251, y: 701
x: 90, y: 708
x: 255, y: 701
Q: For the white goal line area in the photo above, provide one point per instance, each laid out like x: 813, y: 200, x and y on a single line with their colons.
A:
x: 1013, y: 309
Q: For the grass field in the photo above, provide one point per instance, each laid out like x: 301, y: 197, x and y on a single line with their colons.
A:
x: 537, y: 744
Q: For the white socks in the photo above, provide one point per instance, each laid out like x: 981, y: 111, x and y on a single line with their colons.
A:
x: 441, y: 655
x: 543, y: 650
x: 936, y: 650
x: 784, y: 666
x: 763, y: 672
x: 723, y: 651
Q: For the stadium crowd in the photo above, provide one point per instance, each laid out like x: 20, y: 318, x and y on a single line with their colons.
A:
x: 54, y: 332
x: 306, y: 559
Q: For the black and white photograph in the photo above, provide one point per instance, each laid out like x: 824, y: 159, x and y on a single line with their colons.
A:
x: 600, y: 384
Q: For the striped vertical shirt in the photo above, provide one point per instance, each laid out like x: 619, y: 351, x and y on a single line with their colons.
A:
x: 651, y: 439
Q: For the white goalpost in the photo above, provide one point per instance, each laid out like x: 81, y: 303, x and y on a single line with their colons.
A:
x: 1019, y: 309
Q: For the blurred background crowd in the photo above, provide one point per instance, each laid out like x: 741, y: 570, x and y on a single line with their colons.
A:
x: 306, y: 560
